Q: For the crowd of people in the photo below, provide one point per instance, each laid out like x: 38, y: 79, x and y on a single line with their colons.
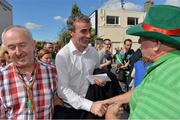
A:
x: 53, y: 83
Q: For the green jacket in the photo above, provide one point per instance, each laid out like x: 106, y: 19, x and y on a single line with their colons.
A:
x: 158, y: 96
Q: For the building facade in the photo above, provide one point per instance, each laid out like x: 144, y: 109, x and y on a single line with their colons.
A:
x: 5, y: 16
x: 113, y: 24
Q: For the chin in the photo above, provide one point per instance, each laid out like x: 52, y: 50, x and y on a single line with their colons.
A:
x: 21, y: 63
x: 84, y: 45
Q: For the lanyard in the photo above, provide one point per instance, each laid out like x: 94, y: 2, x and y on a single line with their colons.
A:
x: 29, y: 89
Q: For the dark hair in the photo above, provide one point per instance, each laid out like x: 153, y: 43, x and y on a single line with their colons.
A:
x: 45, y: 43
x: 75, y: 18
x: 106, y: 40
x: 127, y: 40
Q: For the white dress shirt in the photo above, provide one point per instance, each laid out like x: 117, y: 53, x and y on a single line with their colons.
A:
x: 73, y: 67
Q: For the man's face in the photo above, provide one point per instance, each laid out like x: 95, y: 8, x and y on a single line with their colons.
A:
x: 19, y: 46
x: 127, y: 45
x: 55, y: 47
x: 81, y: 34
x: 147, y: 46
x: 50, y: 47
x: 107, y: 44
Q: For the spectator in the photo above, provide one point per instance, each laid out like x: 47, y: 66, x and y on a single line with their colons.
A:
x: 2, y: 58
x: 27, y: 86
x: 139, y: 70
x: 105, y: 55
x: 56, y: 48
x: 49, y: 46
x: 98, y: 45
x: 124, y: 55
x: 45, y: 56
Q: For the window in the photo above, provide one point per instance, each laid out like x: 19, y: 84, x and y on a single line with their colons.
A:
x: 112, y: 20
x: 132, y: 21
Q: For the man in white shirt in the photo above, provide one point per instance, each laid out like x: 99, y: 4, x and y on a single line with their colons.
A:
x: 74, y: 63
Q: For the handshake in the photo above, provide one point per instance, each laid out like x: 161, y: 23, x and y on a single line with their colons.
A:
x: 110, y: 110
x: 112, y: 107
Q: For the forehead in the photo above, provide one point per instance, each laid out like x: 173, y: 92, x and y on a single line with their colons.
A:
x: 107, y: 41
x: 16, y: 35
x: 82, y: 25
x: 127, y: 42
x: 47, y: 55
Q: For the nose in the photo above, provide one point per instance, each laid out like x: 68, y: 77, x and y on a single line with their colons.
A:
x: 18, y: 50
x: 48, y: 61
x: 88, y: 35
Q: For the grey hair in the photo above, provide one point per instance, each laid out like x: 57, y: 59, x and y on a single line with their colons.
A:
x: 75, y: 18
x: 27, y: 32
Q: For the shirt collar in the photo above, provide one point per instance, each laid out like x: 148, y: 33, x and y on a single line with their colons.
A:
x: 15, y: 68
x: 74, y: 50
x: 163, y: 59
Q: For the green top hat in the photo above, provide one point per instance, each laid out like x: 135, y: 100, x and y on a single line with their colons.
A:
x: 162, y: 22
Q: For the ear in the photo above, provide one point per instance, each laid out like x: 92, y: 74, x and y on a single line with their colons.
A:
x: 157, y: 45
x: 71, y: 33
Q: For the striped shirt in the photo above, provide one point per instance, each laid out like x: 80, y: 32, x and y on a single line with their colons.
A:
x: 15, y: 102
x: 158, y: 96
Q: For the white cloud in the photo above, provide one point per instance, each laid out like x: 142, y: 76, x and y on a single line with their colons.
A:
x: 116, y: 4
x: 173, y: 2
x: 31, y: 25
x: 57, y: 18
x: 132, y: 6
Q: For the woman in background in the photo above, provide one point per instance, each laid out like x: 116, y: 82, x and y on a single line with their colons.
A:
x: 45, y: 56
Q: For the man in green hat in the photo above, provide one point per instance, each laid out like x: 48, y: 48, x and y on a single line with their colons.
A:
x: 158, y: 96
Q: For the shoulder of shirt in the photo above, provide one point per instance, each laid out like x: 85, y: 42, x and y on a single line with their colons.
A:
x: 93, y: 49
x: 7, y: 67
x: 49, y: 66
x: 64, y: 51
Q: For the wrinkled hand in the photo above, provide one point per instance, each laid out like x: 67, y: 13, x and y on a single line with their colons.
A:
x: 114, y: 111
x: 100, y: 82
x: 99, y: 108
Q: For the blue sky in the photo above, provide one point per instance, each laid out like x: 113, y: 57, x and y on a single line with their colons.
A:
x: 46, y: 18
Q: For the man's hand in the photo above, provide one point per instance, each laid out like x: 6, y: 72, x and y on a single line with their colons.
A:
x: 100, y: 82
x: 99, y: 108
x: 114, y: 110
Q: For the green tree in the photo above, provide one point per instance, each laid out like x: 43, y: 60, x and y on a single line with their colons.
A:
x: 75, y: 9
x: 94, y: 37
x: 39, y: 44
x: 64, y: 37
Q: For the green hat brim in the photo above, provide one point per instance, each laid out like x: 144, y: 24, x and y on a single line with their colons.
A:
x: 137, y: 30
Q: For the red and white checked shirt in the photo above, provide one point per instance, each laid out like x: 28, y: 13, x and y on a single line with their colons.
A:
x: 14, y: 96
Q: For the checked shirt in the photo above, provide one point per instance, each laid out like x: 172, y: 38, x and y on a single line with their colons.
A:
x: 15, y: 100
